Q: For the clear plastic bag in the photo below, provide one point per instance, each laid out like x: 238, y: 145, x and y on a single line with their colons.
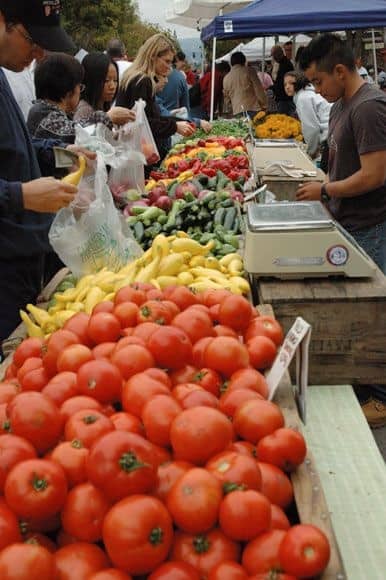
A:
x: 140, y: 135
x: 91, y: 235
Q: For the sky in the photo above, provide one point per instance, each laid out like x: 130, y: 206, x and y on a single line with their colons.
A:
x: 154, y: 11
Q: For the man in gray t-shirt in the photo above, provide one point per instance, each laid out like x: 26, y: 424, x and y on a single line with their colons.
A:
x: 355, y: 192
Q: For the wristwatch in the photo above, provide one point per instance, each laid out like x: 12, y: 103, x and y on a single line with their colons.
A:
x: 323, y: 194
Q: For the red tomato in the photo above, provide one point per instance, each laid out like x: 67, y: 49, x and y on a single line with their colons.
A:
x: 87, y: 426
x: 221, y: 330
x: 105, y: 306
x: 194, y: 501
x: 262, y: 351
x: 265, y: 326
x: 145, y: 330
x: 209, y: 380
x: 191, y: 395
x: 243, y: 447
x: 36, y: 488
x: 284, y: 448
x: 34, y: 380
x: 235, y: 471
x: 74, y: 404
x: 172, y: 306
x: 138, y: 533
x: 9, y: 526
x: 79, y: 560
x: 225, y: 355
x: 8, y: 391
x: 157, y: 417
x: 71, y: 456
x: 61, y: 387
x: 271, y: 575
x: 128, y: 341
x: 304, y: 551
x: 122, y: 463
x: 195, y: 323
x: 161, y: 455
x: 159, y: 375
x: 101, y: 380
x: 78, y: 325
x: 30, y: 347
x: 138, y: 390
x: 183, y: 297
x: 279, y: 520
x: 31, y: 561
x: 232, y: 400
x: 204, y: 551
x: 244, y: 515
x: 127, y: 313
x: 235, y: 311
x: 10, y: 372
x: 84, y: 511
x: 262, y: 553
x: 41, y: 525
x: 212, y: 297
x: 168, y: 473
x: 257, y: 418
x: 197, y: 434
x: 170, y: 347
x: 154, y: 311
x: 214, y: 313
x: 130, y: 294
x: 40, y: 540
x: 127, y: 422
x: 36, y: 418
x: 183, y: 375
x: 103, y: 327
x: 30, y: 364
x: 73, y: 357
x: 132, y: 359
x: 154, y: 294
x: 275, y: 485
x: 55, y: 345
x: 199, y: 349
x: 175, y: 570
x: 104, y: 350
x: 250, y: 379
x: 13, y: 450
x: 64, y: 539
x: 228, y: 571
x: 110, y: 574
x: 5, y: 425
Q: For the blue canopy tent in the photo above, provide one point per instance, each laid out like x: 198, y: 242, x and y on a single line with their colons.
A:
x: 270, y: 17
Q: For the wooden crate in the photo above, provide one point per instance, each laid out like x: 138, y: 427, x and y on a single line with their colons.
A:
x: 309, y: 496
x: 348, y: 318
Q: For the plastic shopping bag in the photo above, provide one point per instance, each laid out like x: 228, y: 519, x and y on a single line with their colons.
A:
x: 139, y: 134
x: 88, y: 236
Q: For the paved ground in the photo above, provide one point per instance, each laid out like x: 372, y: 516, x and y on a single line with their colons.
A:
x: 380, y: 438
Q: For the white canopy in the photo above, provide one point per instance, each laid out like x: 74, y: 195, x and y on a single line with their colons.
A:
x: 253, y: 50
x: 198, y: 13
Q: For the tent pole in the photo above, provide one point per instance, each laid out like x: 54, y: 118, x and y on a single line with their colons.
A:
x: 374, y: 57
x: 212, y: 80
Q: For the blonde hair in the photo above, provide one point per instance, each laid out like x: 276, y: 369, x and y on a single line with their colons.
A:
x: 144, y: 64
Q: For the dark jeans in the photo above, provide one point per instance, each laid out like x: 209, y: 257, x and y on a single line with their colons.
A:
x: 286, y: 108
x: 373, y: 241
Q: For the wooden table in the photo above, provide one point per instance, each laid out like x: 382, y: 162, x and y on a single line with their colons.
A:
x: 348, y: 318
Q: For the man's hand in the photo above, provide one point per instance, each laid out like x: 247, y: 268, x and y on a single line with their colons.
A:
x: 205, y: 126
x: 47, y: 195
x: 310, y: 191
x: 90, y: 155
x: 185, y: 129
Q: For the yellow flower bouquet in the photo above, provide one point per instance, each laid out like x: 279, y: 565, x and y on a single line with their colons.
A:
x: 276, y: 126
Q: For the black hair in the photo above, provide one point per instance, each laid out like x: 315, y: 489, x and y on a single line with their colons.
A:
x: 180, y: 55
x: 299, y: 53
x: 238, y: 58
x: 327, y: 51
x: 116, y: 48
x: 57, y: 75
x: 223, y: 67
x: 301, y: 81
x: 96, y: 66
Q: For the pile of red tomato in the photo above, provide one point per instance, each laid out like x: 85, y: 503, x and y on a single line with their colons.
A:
x: 139, y: 442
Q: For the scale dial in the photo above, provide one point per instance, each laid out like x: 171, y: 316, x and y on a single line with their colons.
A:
x: 337, y: 255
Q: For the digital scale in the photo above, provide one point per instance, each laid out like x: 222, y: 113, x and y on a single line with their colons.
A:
x: 300, y: 240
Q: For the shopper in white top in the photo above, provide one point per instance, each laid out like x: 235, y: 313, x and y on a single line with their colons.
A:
x: 312, y: 109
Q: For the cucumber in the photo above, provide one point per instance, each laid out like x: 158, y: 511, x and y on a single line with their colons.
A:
x: 139, y: 231
x: 219, y: 215
x: 230, y: 217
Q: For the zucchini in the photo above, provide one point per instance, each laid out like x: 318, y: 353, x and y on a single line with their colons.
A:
x: 219, y: 216
x: 230, y: 217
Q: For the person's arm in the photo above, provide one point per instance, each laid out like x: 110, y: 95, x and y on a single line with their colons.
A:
x: 43, y: 195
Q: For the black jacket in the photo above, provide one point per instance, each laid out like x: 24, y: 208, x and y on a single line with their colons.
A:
x: 285, y: 66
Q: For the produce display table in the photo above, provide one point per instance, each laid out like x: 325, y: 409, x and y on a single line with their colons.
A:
x: 348, y: 318
x: 284, y: 188
x: 353, y: 476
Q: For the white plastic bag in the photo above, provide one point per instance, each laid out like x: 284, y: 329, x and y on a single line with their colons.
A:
x: 92, y: 236
x: 140, y: 135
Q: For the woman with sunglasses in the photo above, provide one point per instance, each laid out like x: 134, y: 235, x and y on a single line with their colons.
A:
x: 58, y: 84
x: 100, y: 89
x: 153, y: 61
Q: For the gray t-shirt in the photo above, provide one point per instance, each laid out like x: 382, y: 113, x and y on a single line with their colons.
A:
x: 357, y: 127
